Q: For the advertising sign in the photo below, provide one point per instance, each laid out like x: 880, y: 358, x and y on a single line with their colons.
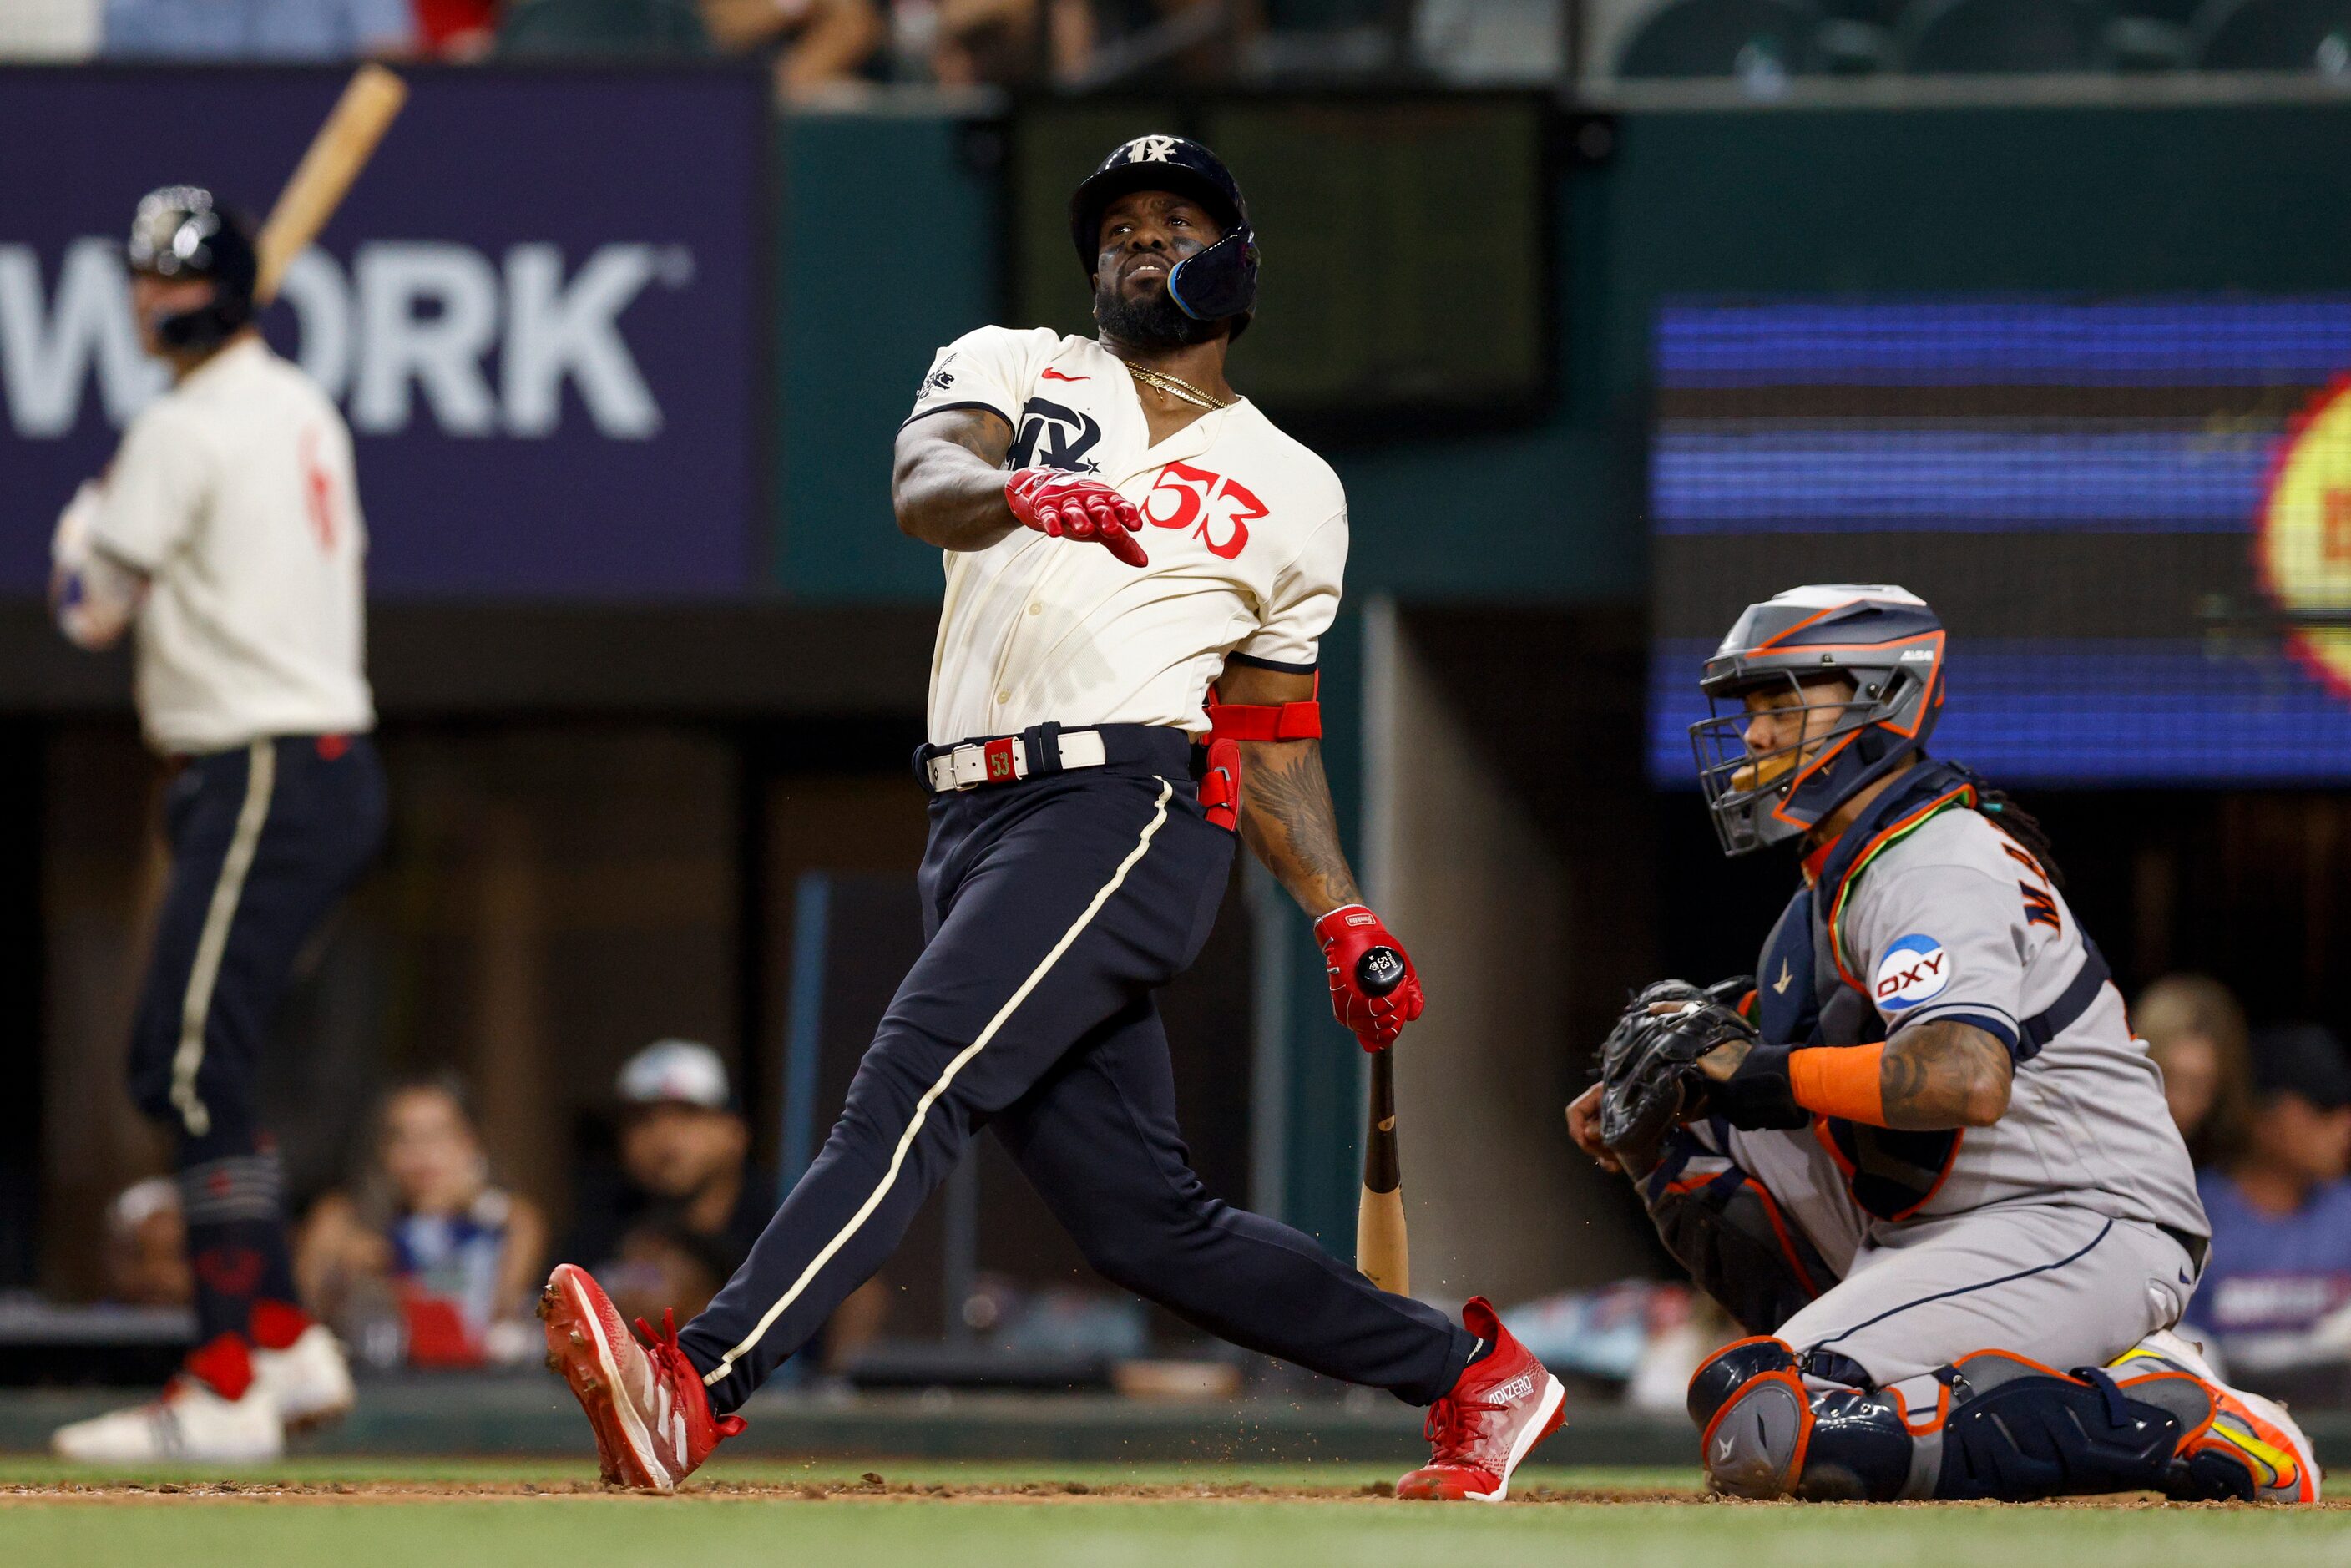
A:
x: 538, y: 309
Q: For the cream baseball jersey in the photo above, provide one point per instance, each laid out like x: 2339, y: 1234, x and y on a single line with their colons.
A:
x: 233, y: 493
x: 1246, y: 529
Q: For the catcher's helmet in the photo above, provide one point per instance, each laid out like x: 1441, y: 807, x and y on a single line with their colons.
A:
x: 1882, y: 639
x: 181, y: 232
x: 1210, y: 285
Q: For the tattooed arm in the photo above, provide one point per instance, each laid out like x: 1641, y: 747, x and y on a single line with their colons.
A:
x: 946, y: 479
x: 1944, y: 1073
x: 1931, y: 1077
x: 1286, y: 811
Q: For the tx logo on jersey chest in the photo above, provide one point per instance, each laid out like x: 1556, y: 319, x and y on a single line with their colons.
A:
x: 1053, y: 437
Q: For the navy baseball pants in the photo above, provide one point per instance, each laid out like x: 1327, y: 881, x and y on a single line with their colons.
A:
x: 263, y: 840
x: 1055, y: 907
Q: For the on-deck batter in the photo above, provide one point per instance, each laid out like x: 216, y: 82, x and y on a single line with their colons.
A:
x: 227, y: 532
x: 1924, y: 1163
x: 1156, y: 534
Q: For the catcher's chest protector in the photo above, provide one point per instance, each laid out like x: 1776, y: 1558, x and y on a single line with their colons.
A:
x: 1803, y: 998
x: 1787, y: 998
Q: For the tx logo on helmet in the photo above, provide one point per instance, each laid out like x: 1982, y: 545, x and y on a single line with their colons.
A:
x: 1150, y: 149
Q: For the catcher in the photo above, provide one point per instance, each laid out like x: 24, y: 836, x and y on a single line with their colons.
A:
x: 1923, y: 1162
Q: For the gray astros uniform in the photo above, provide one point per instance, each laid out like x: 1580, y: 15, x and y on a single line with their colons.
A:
x: 2068, y: 1230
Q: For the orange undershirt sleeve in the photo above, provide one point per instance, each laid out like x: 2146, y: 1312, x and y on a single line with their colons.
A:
x: 1839, y: 1080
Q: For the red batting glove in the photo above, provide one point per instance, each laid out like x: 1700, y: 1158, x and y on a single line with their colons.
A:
x: 1346, y: 934
x: 1073, y: 507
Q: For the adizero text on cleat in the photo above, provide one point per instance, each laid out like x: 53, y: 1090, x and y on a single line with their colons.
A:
x: 1501, y: 1406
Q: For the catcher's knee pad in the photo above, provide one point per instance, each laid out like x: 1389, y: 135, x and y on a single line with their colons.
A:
x: 1764, y: 1433
x: 1727, y: 1229
x: 2011, y: 1430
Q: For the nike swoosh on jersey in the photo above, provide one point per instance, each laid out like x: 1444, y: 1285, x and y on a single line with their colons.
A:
x: 1058, y: 376
x: 1779, y: 986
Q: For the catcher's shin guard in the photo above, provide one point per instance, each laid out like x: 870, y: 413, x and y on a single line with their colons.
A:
x: 2003, y: 1429
x: 1766, y: 1435
x: 2013, y: 1430
x: 1725, y: 1227
x: 2157, y: 1420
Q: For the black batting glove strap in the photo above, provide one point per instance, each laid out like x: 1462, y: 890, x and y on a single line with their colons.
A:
x: 1760, y: 1094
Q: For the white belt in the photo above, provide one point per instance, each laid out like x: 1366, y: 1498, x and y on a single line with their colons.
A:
x: 1005, y: 760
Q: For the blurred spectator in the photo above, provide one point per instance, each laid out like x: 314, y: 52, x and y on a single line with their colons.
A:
x: 147, y: 1247
x: 457, y: 29
x: 1096, y: 43
x: 2196, y: 1032
x: 814, y: 43
x: 427, y: 1262
x: 1484, y: 43
x: 991, y: 43
x: 257, y: 29
x: 1641, y: 1338
x: 686, y: 1206
x: 49, y: 29
x: 2275, y: 1298
x: 976, y: 42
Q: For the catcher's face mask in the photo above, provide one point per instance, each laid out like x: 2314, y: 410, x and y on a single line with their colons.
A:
x: 1814, y: 695
x: 1753, y: 750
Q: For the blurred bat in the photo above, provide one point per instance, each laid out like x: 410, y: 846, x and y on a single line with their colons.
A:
x: 337, y: 154
x: 1381, y: 1253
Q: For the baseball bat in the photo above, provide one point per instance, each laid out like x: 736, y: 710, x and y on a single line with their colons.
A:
x: 1382, y: 1252
x: 336, y: 155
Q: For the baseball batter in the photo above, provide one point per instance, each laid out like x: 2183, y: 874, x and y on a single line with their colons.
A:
x: 226, y: 533
x: 1922, y: 1159
x: 1122, y: 533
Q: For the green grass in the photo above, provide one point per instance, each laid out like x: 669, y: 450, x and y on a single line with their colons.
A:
x: 594, y: 1530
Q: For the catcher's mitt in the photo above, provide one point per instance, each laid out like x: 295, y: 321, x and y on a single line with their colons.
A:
x: 1649, y: 1081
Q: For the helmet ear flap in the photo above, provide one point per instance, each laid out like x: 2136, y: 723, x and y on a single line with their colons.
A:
x: 1218, y: 282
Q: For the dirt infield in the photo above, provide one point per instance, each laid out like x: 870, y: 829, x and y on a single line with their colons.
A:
x: 876, y: 1488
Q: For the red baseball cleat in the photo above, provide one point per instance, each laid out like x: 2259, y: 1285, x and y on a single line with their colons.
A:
x: 1502, y: 1407
x: 652, y: 1421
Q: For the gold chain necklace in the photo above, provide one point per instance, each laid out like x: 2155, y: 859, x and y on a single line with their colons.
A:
x: 1182, y: 391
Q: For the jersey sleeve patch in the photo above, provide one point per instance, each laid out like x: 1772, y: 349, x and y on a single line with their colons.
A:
x: 940, y: 381
x: 1916, y: 968
x: 985, y: 368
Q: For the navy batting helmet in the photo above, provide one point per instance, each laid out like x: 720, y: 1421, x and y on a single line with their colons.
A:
x: 1882, y: 640
x: 1216, y: 284
x: 180, y: 231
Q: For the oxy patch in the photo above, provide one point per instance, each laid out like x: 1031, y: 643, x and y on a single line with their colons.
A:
x: 1915, y: 969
